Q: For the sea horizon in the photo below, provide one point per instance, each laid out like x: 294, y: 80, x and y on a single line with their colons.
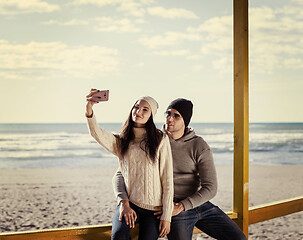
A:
x: 48, y: 145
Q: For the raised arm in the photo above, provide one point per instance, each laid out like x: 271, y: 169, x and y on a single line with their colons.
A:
x: 104, y: 138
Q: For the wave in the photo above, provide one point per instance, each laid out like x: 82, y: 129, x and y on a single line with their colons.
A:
x: 51, y: 154
x: 223, y: 143
x: 267, y: 143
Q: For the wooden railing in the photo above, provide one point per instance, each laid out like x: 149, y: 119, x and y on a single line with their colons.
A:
x: 102, y: 232
x: 272, y: 210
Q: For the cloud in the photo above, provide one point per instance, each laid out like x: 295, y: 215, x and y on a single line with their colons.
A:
x: 172, y: 53
x: 223, y: 65
x: 73, y: 22
x: 139, y: 21
x: 99, y: 3
x: 147, y: 2
x: 106, y: 24
x: 216, y: 27
x: 198, y: 67
x: 194, y: 57
x: 129, y: 7
x: 217, y: 34
x: 172, y: 13
x: 140, y: 64
x: 168, y: 39
x: 132, y: 8
x: 274, y: 40
x: 294, y: 63
x: 276, y: 22
x: 46, y: 59
x: 297, y: 2
x: 102, y: 24
x: 12, y: 7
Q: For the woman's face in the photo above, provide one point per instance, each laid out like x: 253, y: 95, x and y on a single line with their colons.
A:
x: 141, y: 113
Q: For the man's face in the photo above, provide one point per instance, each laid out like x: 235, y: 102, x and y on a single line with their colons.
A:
x: 174, y: 121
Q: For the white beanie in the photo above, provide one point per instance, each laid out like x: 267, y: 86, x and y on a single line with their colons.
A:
x: 152, y: 103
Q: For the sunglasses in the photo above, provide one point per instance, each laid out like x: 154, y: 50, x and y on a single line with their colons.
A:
x: 174, y: 115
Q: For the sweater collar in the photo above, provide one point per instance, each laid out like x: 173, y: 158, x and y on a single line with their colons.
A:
x: 139, y: 133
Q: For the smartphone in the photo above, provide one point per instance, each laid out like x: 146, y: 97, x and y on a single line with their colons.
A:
x: 103, y: 94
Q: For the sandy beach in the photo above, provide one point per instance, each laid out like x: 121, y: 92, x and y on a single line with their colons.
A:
x: 33, y: 199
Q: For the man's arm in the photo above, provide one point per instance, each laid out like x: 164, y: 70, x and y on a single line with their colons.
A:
x: 208, y: 177
x: 120, y: 192
x: 119, y: 187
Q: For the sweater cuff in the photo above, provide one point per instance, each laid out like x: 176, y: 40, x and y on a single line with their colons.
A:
x: 166, y: 217
x: 92, y: 120
x: 121, y: 196
x: 187, y: 204
x: 90, y: 115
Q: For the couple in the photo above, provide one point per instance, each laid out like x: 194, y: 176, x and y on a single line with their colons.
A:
x: 165, y: 179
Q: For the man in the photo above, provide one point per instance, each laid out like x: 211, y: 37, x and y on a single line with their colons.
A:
x: 195, y: 182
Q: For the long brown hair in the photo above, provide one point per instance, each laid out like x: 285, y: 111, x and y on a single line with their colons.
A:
x: 150, y: 143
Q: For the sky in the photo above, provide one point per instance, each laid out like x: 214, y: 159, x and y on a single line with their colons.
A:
x: 52, y: 52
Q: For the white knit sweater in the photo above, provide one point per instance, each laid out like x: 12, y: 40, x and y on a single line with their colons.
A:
x: 148, y: 184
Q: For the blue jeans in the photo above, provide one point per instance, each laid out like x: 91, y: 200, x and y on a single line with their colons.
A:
x: 208, y: 218
x: 149, y: 225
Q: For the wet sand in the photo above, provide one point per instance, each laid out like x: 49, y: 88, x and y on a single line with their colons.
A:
x: 33, y: 199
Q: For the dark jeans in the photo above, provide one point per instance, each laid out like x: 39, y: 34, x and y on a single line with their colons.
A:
x: 149, y: 225
x: 208, y: 218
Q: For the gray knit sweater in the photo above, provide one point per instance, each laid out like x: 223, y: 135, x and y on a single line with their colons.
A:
x: 195, y: 179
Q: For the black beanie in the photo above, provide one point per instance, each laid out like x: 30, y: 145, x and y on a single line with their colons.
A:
x: 184, y: 107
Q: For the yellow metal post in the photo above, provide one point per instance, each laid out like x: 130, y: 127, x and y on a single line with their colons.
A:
x: 241, y: 121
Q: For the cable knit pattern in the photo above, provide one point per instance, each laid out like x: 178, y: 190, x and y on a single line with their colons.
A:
x: 148, y: 184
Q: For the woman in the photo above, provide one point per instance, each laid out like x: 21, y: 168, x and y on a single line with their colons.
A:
x: 146, y: 164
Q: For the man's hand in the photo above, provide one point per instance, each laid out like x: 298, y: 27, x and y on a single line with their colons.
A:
x: 159, y: 212
x: 164, y: 228
x: 178, y: 207
x: 128, y: 213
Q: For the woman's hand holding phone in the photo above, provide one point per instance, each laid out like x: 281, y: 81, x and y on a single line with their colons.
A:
x: 95, y: 96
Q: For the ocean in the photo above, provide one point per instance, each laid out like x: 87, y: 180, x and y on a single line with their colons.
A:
x: 70, y: 145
